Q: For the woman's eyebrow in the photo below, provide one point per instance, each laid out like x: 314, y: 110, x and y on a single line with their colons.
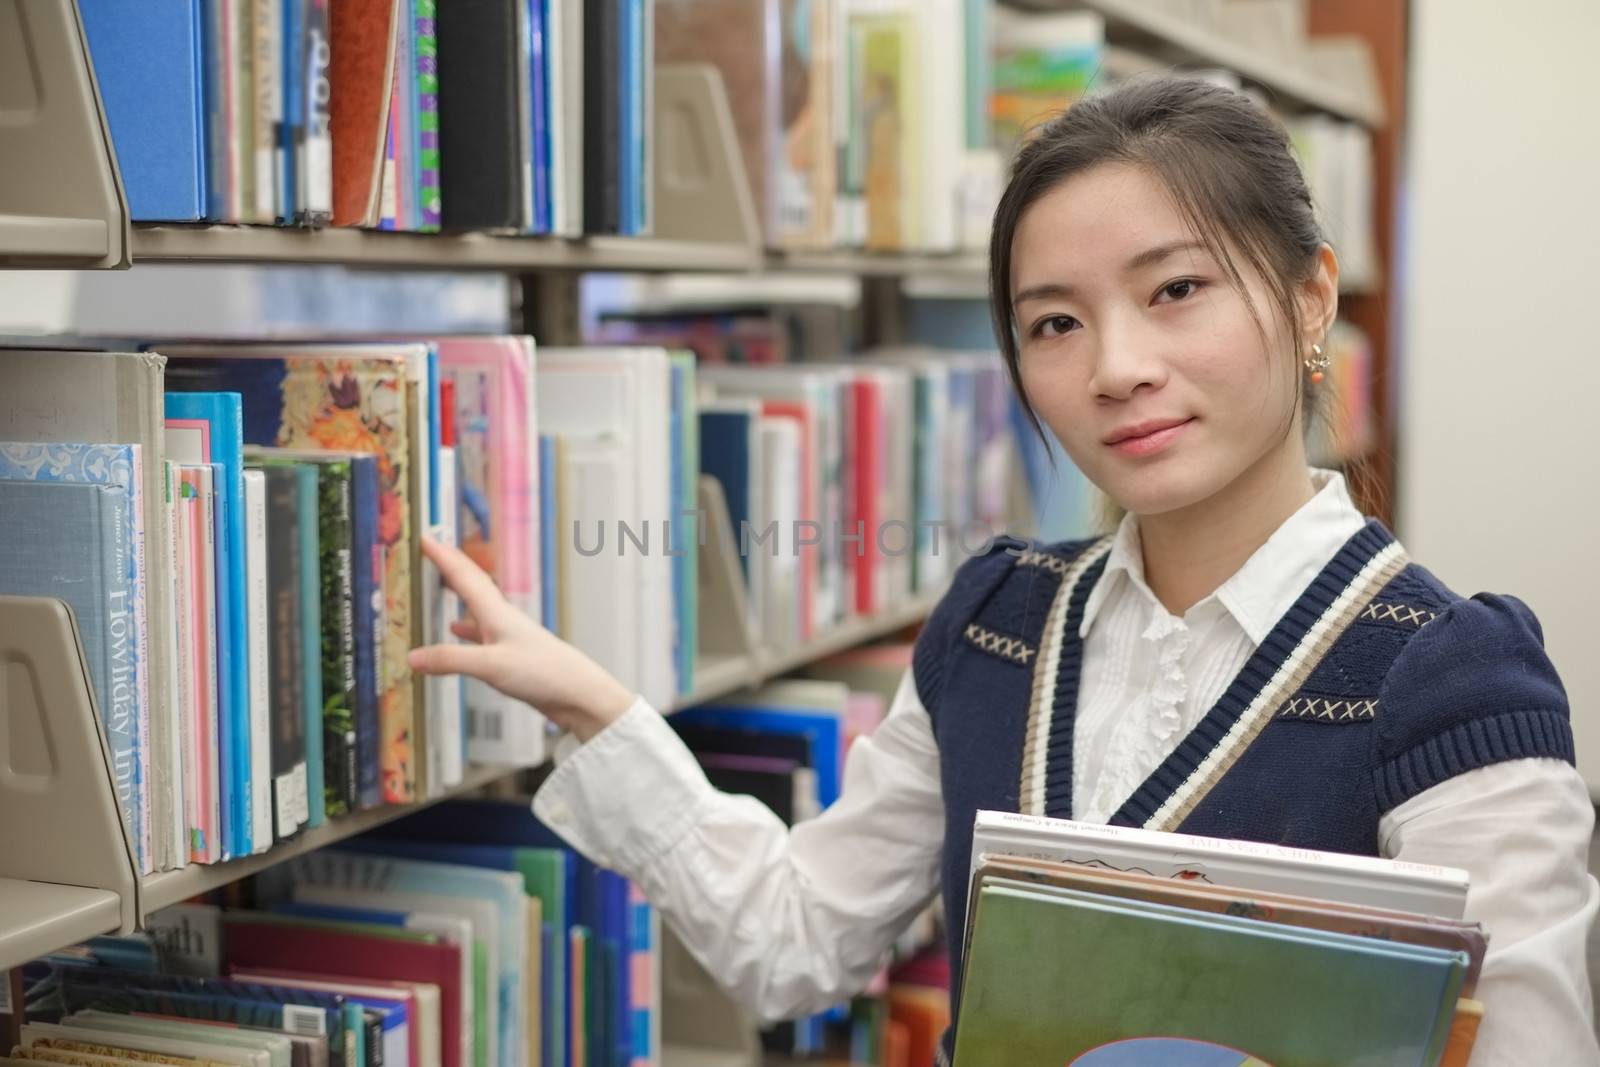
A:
x: 1048, y: 291
x: 1152, y: 256
x: 1149, y: 257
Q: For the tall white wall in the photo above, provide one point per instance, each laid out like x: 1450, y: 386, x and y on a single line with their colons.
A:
x: 1500, y: 319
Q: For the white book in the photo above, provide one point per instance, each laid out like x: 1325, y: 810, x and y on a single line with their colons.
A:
x: 780, y: 562
x: 267, y: 99
x: 625, y: 393
x: 186, y: 645
x: 259, y: 643
x: 206, y: 588
x: 444, y: 691
x: 1362, y: 880
x: 602, y: 571
x: 569, y: 49
x: 483, y: 928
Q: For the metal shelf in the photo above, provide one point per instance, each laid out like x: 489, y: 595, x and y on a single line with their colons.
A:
x: 170, y: 887
x: 424, y: 251
x: 964, y: 265
x: 41, y: 917
x: 1176, y: 37
x: 725, y: 675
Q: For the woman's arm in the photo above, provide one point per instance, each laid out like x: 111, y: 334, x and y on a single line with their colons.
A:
x: 789, y: 921
x: 1522, y: 830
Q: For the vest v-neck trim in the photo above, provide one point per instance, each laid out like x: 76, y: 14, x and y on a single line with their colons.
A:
x: 1280, y: 664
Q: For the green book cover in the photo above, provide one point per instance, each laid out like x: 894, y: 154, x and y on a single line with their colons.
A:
x: 1056, y: 976
x: 544, y: 876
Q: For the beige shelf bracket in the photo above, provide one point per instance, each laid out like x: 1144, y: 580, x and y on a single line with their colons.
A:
x: 61, y: 197
x: 702, y: 193
x: 59, y: 818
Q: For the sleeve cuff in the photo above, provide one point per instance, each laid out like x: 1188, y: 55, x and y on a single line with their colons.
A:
x: 627, y: 795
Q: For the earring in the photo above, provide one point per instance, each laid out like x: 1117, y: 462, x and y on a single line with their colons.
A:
x: 1317, y: 365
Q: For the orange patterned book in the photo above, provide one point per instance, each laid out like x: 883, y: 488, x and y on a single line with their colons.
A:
x: 349, y: 399
x: 361, y: 80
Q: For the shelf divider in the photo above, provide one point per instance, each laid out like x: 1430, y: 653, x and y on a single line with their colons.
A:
x: 61, y: 199
x: 60, y: 821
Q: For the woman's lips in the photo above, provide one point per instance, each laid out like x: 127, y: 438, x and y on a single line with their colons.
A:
x: 1147, y: 438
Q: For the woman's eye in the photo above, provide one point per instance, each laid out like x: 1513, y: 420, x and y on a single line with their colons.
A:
x: 1055, y: 326
x: 1181, y: 289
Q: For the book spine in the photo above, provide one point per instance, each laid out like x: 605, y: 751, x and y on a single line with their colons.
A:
x: 180, y: 713
x: 292, y: 126
x: 241, y: 110
x: 186, y: 693
x: 152, y: 814
x: 370, y: 628
x: 316, y: 169
x: 427, y: 47
x: 340, y: 772
x: 229, y: 670
x: 267, y: 101
x: 117, y: 711
x: 212, y: 751
x: 539, y: 114
x: 311, y: 802
x: 257, y: 631
x: 284, y: 667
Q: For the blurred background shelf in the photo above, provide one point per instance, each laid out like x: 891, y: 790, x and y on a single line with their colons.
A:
x: 1170, y: 32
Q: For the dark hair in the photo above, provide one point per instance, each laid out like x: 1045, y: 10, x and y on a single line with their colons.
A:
x: 1226, y: 163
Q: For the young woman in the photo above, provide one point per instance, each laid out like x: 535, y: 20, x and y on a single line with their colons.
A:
x: 1247, y: 656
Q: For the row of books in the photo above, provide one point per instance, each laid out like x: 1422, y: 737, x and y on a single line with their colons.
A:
x: 238, y: 535
x: 489, y: 946
x: 525, y: 116
x: 237, y: 528
x: 1172, y: 948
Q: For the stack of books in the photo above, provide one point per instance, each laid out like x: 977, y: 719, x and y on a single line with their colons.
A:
x: 1097, y: 946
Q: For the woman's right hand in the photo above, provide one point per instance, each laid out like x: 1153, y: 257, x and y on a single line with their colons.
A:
x: 503, y: 647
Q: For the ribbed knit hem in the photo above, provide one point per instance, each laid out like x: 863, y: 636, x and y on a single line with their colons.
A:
x: 1522, y: 734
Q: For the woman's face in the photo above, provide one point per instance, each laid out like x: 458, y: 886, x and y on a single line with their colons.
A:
x: 1137, y: 352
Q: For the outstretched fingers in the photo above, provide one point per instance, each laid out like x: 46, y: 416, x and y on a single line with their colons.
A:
x: 471, y: 660
x: 476, y: 589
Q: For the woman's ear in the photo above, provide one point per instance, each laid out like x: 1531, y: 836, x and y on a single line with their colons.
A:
x: 1319, y: 298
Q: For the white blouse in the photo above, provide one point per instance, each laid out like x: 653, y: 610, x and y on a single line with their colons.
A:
x: 793, y: 920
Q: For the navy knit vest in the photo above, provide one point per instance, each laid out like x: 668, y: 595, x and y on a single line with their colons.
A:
x: 1377, y: 684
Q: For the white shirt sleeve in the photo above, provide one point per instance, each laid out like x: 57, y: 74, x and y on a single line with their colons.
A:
x: 1521, y: 829
x: 789, y: 921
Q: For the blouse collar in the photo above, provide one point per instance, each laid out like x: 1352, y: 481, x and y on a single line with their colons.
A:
x: 1269, y: 582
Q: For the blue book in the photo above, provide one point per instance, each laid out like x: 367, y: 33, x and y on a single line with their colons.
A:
x: 148, y: 62
x: 725, y: 455
x: 224, y: 413
x: 370, y: 624
x: 292, y: 130
x: 72, y: 541
x: 116, y: 465
x: 820, y: 729
x: 539, y: 47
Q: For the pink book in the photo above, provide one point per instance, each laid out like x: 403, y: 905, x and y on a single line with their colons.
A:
x: 188, y: 443
x: 497, y: 442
